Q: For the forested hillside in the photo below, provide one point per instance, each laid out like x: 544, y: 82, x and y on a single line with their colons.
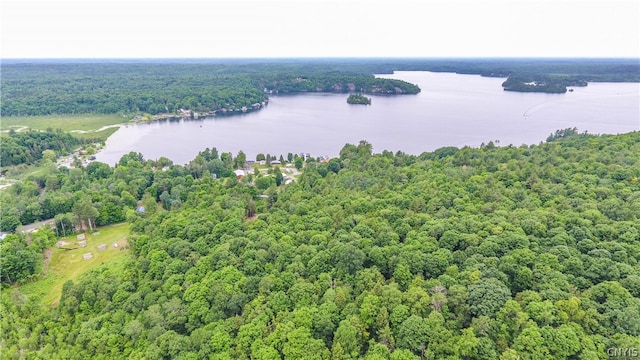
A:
x: 154, y: 88
x: 164, y: 86
x: 528, y: 252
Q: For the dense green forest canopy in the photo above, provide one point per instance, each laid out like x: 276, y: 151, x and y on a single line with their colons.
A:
x: 32, y: 87
x: 528, y: 252
x: 28, y: 147
x: 127, y: 88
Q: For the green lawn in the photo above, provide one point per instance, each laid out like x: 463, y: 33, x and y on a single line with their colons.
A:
x: 100, y: 135
x: 66, y: 265
x: 66, y: 123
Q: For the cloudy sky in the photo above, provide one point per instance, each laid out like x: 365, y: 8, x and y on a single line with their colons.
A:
x: 319, y: 28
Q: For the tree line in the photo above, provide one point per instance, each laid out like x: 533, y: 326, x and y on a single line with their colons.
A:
x: 122, y: 88
x: 43, y: 88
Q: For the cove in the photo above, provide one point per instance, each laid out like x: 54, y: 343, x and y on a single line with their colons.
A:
x: 452, y: 110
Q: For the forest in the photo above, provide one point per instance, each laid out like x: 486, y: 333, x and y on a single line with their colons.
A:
x: 31, y: 88
x: 29, y: 147
x: 155, y: 88
x: 496, y: 252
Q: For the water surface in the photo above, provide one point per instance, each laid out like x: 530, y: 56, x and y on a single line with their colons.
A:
x: 451, y: 110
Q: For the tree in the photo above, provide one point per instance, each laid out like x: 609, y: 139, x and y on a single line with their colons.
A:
x: 530, y: 343
x: 349, y: 259
x: 85, y: 213
x: 97, y: 170
x: 325, y: 321
x: 278, y: 176
x: 334, y: 165
x: 131, y: 159
x: 227, y: 160
x: 150, y: 205
x: 64, y: 223
x: 345, y: 340
x: 369, y: 310
x: 438, y: 297
x: 43, y: 239
x: 378, y: 352
x: 240, y: 160
x: 251, y: 208
x: 9, y: 222
x: 467, y: 344
x: 214, y: 154
x: 403, y: 354
x: 300, y: 345
x: 403, y: 276
x: 413, y: 334
x: 110, y: 213
x: 168, y: 345
x: 264, y: 182
x: 49, y: 155
x: 365, y: 149
x: 166, y: 200
x: 563, y: 342
x: 510, y: 320
x: 52, y: 182
x: 18, y: 262
x: 487, y: 296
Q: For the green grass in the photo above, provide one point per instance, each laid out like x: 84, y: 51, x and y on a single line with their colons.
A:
x: 66, y: 265
x: 97, y: 136
x: 22, y: 172
x: 87, y: 124
x: 66, y: 123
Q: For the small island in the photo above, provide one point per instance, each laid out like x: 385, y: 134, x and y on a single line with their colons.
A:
x: 358, y: 99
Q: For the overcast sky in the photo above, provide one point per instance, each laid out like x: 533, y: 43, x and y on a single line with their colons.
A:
x: 319, y: 28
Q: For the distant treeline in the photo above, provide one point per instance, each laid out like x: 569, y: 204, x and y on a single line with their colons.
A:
x: 112, y: 88
x: 154, y: 87
x: 44, y: 89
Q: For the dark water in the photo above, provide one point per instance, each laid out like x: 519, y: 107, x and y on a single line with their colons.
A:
x: 451, y: 110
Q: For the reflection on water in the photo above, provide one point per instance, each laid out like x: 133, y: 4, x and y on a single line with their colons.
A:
x: 451, y: 110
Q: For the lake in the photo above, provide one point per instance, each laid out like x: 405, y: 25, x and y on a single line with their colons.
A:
x: 452, y: 110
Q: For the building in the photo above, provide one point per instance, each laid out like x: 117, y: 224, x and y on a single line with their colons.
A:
x: 240, y: 173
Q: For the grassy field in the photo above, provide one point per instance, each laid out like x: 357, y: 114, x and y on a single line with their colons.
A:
x: 100, y: 135
x: 65, y: 265
x: 66, y: 123
x: 82, y: 126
